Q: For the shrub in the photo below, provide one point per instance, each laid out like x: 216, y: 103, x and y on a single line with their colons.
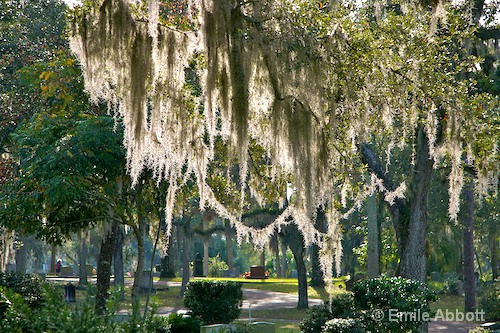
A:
x: 214, y: 301
x: 216, y: 266
x: 29, y: 286
x: 378, y: 296
x: 342, y: 306
x: 341, y: 325
x: 490, y: 301
x: 479, y: 330
x: 179, y: 324
x: 54, y: 315
x: 452, y: 287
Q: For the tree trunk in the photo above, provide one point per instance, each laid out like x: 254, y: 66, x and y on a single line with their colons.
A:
x: 206, y: 243
x: 104, y: 271
x: 53, y: 254
x: 6, y: 247
x: 409, y: 216
x: 186, y: 253
x: 316, y: 272
x: 494, y: 250
x: 229, y: 242
x: 263, y: 258
x: 283, y: 259
x: 139, y: 234
x: 82, y: 269
x: 373, y: 238
x: 168, y: 261
x: 275, y: 249
x: 298, y: 255
x: 118, y: 270
x: 22, y: 254
x: 469, y: 276
x: 413, y: 224
x: 295, y: 241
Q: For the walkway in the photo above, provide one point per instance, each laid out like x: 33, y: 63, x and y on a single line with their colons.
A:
x: 257, y: 299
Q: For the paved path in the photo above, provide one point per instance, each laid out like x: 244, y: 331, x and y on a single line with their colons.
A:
x: 257, y: 299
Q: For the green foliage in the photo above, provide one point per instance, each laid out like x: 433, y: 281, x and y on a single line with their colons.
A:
x: 490, y: 301
x: 342, y: 306
x: 451, y: 286
x: 54, y: 315
x: 380, y: 295
x: 341, y: 325
x: 214, y: 301
x: 180, y: 324
x: 479, y: 330
x: 28, y: 286
x: 216, y: 266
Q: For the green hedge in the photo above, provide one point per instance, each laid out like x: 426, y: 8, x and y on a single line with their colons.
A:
x: 375, y: 299
x: 214, y: 302
x: 490, y: 301
x: 341, y: 325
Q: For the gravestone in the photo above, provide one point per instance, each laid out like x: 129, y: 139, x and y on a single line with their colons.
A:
x: 146, y: 282
x: 66, y: 271
x: 294, y: 274
x: 257, y: 272
x: 263, y: 327
x: 217, y: 328
x: 198, y: 265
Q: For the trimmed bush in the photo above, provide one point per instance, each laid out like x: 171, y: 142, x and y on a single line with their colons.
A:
x: 341, y: 325
x: 490, y: 301
x: 342, y: 306
x: 214, y: 302
x: 375, y: 298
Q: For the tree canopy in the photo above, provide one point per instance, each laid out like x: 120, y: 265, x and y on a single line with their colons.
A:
x: 308, y: 82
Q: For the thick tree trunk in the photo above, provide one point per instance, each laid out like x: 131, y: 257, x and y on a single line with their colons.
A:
x: 316, y: 272
x: 82, y: 260
x: 298, y: 255
x: 118, y: 270
x: 414, y: 236
x: 139, y: 234
x: 469, y: 276
x: 295, y: 241
x: 373, y: 238
x: 104, y: 271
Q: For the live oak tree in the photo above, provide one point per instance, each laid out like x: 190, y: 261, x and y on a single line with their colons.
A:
x: 312, y: 84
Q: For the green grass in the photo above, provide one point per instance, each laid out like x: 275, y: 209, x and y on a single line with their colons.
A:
x: 289, y: 286
x: 448, y: 302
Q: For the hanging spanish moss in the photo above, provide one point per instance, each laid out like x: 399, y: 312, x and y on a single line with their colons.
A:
x: 282, y: 73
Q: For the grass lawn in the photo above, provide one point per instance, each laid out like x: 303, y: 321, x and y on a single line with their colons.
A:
x: 289, y: 286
